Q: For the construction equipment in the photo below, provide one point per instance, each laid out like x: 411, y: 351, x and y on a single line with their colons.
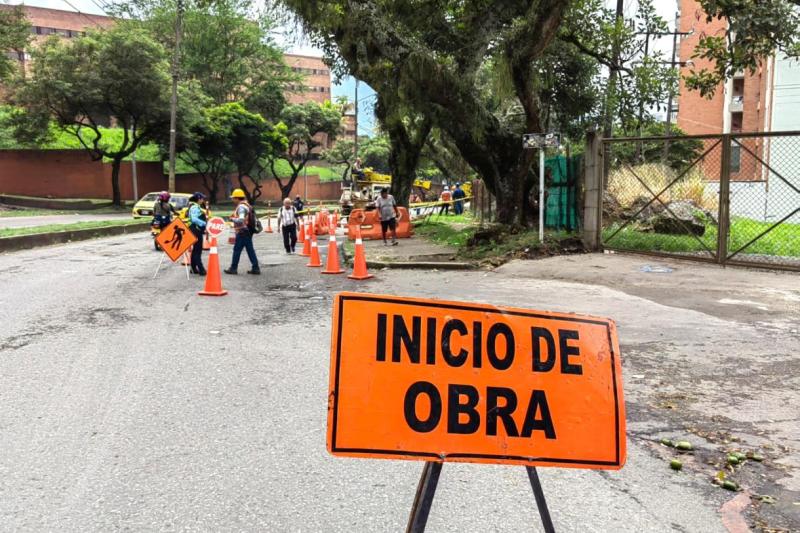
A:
x: 361, y: 192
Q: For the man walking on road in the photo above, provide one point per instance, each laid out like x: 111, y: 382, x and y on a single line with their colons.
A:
x: 244, y: 223
x: 387, y: 210
x: 287, y: 224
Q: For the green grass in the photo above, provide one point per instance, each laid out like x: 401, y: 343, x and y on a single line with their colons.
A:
x: 495, y: 243
x: 16, y: 232
x: 782, y: 241
x: 444, y: 233
x: 30, y: 212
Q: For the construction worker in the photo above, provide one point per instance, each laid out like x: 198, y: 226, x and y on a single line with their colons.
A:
x: 163, y: 210
x: 243, y: 219
x: 197, y: 225
x: 445, y: 198
x: 287, y: 225
x: 358, y: 171
x: 388, y: 213
x: 458, y: 197
x: 299, y: 206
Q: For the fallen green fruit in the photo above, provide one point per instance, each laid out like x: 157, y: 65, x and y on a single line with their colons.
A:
x: 675, y: 464
x: 730, y: 485
x: 757, y: 457
x: 740, y: 456
x: 684, y: 445
x: 667, y: 442
x: 733, y: 460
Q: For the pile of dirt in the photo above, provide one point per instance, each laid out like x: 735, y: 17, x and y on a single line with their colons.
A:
x: 496, y: 245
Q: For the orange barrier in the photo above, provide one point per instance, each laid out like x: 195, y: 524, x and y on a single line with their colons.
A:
x: 269, y: 225
x: 301, y: 236
x: 360, y: 260
x: 332, y: 264
x: 206, y: 243
x: 213, y: 278
x: 314, y: 260
x: 322, y: 222
x: 369, y: 224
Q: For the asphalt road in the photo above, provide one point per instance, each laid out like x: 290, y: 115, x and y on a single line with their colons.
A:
x: 46, y: 220
x: 130, y: 403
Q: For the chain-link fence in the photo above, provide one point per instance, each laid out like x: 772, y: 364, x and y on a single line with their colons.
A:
x: 726, y: 198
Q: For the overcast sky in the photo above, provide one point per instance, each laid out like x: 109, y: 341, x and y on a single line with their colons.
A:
x: 666, y: 8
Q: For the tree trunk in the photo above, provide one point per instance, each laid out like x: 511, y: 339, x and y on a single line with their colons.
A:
x: 407, y: 137
x: 211, y: 185
x: 116, y: 194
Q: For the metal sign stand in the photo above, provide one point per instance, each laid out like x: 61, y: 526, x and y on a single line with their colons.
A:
x: 427, y: 489
x: 541, y: 142
x: 161, y: 262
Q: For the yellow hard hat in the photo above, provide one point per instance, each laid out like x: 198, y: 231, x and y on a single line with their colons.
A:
x: 238, y: 193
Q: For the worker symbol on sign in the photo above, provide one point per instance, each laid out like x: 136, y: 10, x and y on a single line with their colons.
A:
x: 175, y: 239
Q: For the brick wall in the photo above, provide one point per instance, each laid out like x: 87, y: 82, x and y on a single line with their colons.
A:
x: 73, y: 174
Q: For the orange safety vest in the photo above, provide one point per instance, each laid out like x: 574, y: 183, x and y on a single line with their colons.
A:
x: 446, y: 196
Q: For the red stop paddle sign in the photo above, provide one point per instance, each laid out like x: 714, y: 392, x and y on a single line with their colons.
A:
x: 216, y: 226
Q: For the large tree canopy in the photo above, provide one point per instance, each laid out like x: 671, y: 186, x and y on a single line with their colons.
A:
x: 309, y: 125
x: 226, y: 46
x: 430, y: 56
x: 15, y: 32
x: 82, y: 84
x: 756, y: 30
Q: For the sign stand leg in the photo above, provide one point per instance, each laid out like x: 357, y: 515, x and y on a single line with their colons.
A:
x: 541, y: 503
x: 186, y: 258
x: 160, y: 262
x: 424, y: 498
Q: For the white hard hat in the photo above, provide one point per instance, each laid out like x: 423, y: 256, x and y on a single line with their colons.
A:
x: 446, y: 188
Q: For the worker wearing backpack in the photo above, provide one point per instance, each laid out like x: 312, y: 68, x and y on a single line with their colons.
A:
x: 245, y: 224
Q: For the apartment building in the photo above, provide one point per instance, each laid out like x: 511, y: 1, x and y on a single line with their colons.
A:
x: 764, y: 171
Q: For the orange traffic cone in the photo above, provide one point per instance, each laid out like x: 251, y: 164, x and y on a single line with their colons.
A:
x: 206, y: 243
x: 314, y: 260
x: 301, y: 237
x: 332, y: 264
x: 335, y: 219
x: 213, y: 277
x: 269, y: 225
x: 360, y: 260
x: 307, y: 243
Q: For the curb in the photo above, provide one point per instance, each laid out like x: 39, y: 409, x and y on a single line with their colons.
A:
x: 421, y: 265
x: 26, y: 242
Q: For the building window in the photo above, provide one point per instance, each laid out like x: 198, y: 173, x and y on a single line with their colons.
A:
x: 736, y: 122
x: 736, y: 158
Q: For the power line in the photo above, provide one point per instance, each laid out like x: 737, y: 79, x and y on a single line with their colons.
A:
x: 83, y: 14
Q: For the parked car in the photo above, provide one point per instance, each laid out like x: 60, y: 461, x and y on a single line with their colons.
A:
x: 144, y: 207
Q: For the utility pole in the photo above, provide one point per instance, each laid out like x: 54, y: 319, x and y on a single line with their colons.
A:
x: 134, y: 177
x: 173, y: 106
x: 672, y: 64
x: 611, y: 90
x: 356, y: 121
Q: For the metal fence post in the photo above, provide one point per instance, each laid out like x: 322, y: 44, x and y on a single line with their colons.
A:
x: 593, y: 191
x: 723, y: 226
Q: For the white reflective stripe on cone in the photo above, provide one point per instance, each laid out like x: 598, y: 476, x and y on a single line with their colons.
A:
x: 213, y: 250
x: 332, y: 238
x: 359, y: 241
x: 313, y: 244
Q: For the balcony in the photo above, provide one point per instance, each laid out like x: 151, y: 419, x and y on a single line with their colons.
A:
x: 737, y: 104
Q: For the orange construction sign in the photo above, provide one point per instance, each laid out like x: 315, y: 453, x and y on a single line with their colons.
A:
x: 176, y: 239
x: 447, y: 381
